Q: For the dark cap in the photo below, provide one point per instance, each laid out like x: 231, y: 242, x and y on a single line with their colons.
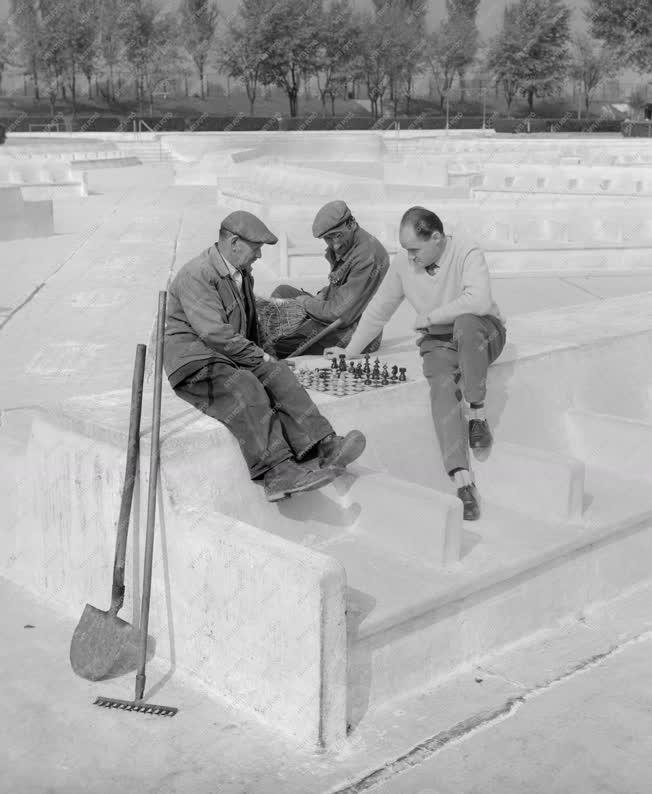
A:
x: 249, y: 227
x: 329, y: 217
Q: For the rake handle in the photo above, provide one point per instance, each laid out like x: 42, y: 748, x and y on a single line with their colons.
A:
x: 310, y: 342
x: 151, y: 495
x: 133, y: 451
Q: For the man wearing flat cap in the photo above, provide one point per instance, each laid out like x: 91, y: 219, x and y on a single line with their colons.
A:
x: 358, y: 262
x: 213, y: 360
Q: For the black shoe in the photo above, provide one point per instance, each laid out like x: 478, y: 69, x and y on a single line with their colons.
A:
x: 479, y: 434
x: 290, y: 477
x: 338, y: 451
x: 469, y: 497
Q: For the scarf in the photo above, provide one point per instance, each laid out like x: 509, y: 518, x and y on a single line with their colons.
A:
x: 250, y: 306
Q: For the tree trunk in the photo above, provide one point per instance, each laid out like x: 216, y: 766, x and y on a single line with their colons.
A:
x: 332, y: 104
x: 322, y: 95
x: 185, y: 82
x: 201, y: 83
x: 462, y: 77
x: 530, y: 99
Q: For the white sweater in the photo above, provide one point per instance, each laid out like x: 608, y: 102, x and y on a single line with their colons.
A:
x: 460, y: 285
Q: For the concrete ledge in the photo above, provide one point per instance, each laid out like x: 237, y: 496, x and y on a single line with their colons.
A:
x: 532, y: 481
x: 614, y: 443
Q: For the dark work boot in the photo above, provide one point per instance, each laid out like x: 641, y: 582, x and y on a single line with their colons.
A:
x: 338, y: 451
x: 290, y: 477
x: 469, y: 497
x: 479, y: 434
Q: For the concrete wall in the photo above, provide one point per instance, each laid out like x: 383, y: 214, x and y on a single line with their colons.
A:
x: 256, y: 618
x: 21, y: 219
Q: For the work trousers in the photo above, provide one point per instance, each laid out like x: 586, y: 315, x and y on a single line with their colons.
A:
x: 340, y: 337
x: 475, y: 343
x: 265, y: 408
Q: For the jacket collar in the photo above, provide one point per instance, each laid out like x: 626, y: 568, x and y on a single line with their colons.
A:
x: 217, y: 260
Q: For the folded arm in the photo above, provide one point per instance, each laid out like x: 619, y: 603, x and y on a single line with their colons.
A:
x: 476, y: 293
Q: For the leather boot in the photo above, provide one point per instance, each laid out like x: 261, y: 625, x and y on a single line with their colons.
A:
x: 479, y: 434
x: 338, y: 451
x: 290, y: 477
x: 469, y: 497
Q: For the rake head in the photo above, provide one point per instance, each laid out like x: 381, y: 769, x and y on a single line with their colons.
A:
x: 136, y: 705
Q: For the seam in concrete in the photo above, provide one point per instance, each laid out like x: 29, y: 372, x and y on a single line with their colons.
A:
x: 578, y: 286
x: 74, y: 253
x: 465, y: 729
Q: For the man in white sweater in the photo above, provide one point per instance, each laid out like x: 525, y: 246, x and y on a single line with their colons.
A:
x: 446, y: 279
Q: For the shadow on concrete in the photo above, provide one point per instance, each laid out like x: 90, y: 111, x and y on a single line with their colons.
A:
x: 359, y: 606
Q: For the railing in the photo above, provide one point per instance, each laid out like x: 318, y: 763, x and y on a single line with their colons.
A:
x: 138, y: 129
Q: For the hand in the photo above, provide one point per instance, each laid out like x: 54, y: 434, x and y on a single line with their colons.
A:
x: 334, y: 352
x: 267, y: 358
x: 421, y: 322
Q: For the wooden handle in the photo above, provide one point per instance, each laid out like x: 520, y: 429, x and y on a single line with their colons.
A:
x: 310, y: 342
x: 131, y: 467
x: 151, y: 495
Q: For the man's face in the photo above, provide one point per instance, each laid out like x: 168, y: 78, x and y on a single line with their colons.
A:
x: 421, y: 253
x: 242, y: 253
x: 341, y: 239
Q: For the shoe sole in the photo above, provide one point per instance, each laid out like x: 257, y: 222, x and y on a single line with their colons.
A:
x: 477, y: 445
x: 350, y: 451
x: 319, y: 482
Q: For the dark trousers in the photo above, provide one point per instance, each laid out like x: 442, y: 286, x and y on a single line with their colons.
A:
x: 265, y: 408
x: 475, y: 343
x: 340, y: 337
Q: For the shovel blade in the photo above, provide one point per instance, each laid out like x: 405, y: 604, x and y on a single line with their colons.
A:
x: 99, y: 640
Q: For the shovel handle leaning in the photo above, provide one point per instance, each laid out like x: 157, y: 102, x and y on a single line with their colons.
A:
x: 151, y: 495
x: 133, y: 449
x: 316, y: 337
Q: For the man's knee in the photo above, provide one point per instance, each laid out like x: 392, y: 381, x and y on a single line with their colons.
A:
x: 467, y: 323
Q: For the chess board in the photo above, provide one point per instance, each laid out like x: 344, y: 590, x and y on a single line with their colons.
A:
x: 342, y: 379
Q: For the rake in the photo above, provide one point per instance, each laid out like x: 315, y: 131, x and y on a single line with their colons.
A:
x: 138, y: 704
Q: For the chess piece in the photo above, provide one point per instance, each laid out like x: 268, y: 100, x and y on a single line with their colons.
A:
x: 352, y: 367
x: 334, y: 363
x: 366, y: 368
x: 342, y: 362
x: 402, y: 377
x: 385, y: 373
x: 394, y: 373
x: 359, y: 371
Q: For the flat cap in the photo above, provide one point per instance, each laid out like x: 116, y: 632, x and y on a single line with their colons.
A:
x: 249, y: 227
x: 329, y: 217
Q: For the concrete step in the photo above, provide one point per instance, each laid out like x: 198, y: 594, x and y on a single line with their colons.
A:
x: 409, y: 627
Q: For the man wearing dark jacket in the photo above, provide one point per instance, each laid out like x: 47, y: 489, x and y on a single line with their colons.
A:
x: 214, y: 362
x: 358, y: 262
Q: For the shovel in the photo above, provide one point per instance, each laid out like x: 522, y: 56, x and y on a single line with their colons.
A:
x: 101, y: 638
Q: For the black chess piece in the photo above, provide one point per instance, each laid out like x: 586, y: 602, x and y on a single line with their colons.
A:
x: 385, y: 372
x: 334, y: 363
x: 342, y: 362
x: 402, y: 377
x: 394, y: 373
x: 352, y: 367
x: 359, y: 371
x: 367, y: 368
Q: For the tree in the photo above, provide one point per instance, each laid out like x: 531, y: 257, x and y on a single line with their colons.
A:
x: 4, y: 47
x: 591, y: 64
x: 290, y: 37
x: 530, y: 54
x: 336, y: 51
x: 448, y: 51
x: 505, y: 56
x: 545, y: 29
x: 198, y: 23
x: 405, y: 35
x: 148, y: 39
x: 466, y: 10
x: 242, y: 54
x: 625, y: 26
x: 374, y: 46
x: 112, y: 17
x: 25, y: 29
